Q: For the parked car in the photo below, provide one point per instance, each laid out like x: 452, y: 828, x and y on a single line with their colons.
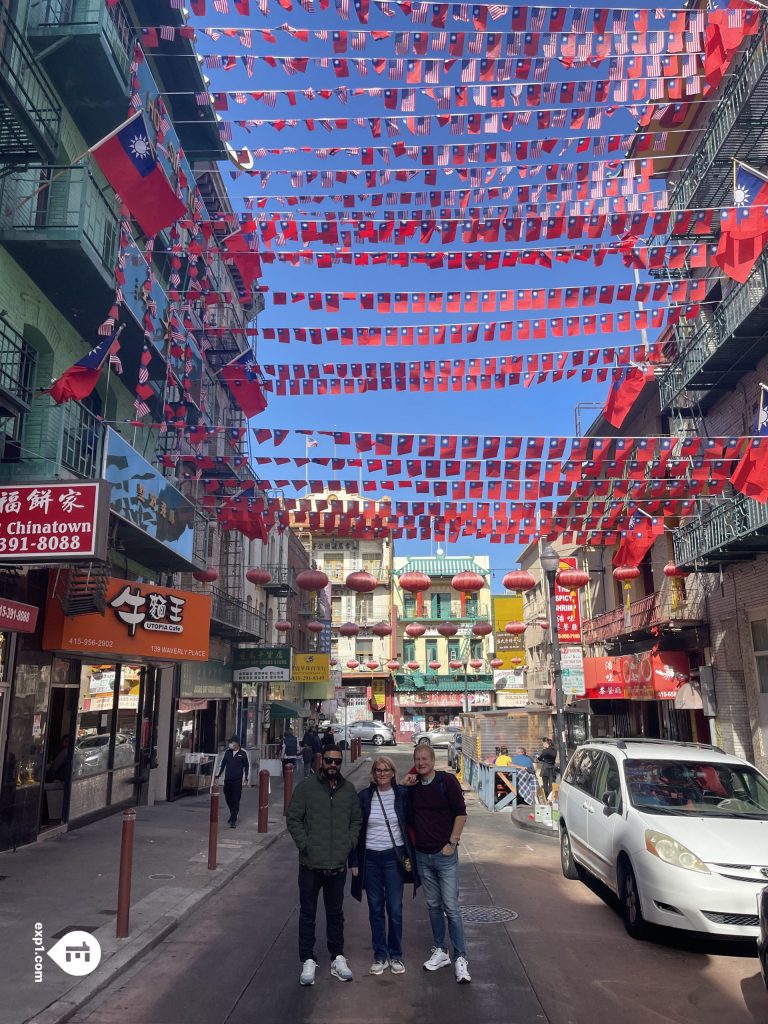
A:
x: 454, y: 750
x: 762, y: 941
x: 367, y: 730
x: 438, y: 737
x: 679, y: 831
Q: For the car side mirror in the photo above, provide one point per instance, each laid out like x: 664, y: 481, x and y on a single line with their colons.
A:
x: 609, y: 803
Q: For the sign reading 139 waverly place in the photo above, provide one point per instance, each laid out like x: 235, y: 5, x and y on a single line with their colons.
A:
x: 52, y: 521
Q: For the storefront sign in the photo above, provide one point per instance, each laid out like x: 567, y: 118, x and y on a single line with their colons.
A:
x: 508, y: 679
x: 210, y: 680
x: 21, y: 618
x: 262, y: 665
x: 572, y: 670
x: 443, y: 700
x: 648, y: 675
x: 311, y: 668
x: 511, y: 698
x: 53, y: 522
x: 508, y: 648
x: 567, y: 609
x: 140, y: 621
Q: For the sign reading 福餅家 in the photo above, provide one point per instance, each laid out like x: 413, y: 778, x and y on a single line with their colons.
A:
x: 141, y: 620
x: 52, y: 521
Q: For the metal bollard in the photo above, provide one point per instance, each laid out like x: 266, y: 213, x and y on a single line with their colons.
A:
x: 263, y: 800
x: 287, y: 786
x: 213, y: 827
x: 126, y: 873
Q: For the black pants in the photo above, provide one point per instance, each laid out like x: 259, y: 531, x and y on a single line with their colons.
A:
x: 232, y: 793
x: 311, y: 883
x: 548, y: 776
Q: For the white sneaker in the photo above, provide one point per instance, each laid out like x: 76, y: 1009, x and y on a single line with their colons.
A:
x: 462, y: 971
x: 397, y: 966
x: 438, y: 959
x: 308, y: 973
x: 379, y: 966
x: 340, y: 969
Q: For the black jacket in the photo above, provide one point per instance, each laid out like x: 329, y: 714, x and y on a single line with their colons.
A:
x: 357, y: 857
x: 235, y: 765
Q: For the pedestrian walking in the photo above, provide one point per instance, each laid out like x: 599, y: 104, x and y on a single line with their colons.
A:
x: 381, y: 862
x: 328, y: 739
x: 307, y: 755
x: 289, y: 751
x: 236, y: 769
x: 546, y: 760
x: 324, y: 822
x: 437, y: 814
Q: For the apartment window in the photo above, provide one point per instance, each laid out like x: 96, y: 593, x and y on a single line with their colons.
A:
x: 409, y: 607
x: 431, y: 650
x: 759, y: 628
x: 476, y: 648
x: 373, y: 566
x: 365, y: 608
x: 364, y: 650
x: 454, y: 650
x: 409, y: 650
x: 334, y: 567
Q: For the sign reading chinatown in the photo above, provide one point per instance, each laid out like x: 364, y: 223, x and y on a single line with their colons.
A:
x: 141, y: 620
x: 52, y: 521
x: 567, y: 609
x: 21, y: 618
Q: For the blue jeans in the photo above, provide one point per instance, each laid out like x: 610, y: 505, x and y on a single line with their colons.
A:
x: 440, y: 880
x: 383, y: 885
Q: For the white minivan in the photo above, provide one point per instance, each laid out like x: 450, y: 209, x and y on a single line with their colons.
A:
x: 679, y: 831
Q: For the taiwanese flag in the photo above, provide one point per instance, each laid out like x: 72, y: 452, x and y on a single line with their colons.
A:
x: 728, y: 23
x: 624, y: 393
x: 744, y: 229
x: 245, y: 259
x: 244, y: 382
x: 82, y: 377
x: 634, y: 546
x: 129, y: 164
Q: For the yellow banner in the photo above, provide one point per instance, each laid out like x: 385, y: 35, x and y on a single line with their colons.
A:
x: 510, y: 648
x: 311, y: 668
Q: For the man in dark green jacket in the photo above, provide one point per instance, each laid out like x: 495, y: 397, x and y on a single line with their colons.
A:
x: 324, y: 821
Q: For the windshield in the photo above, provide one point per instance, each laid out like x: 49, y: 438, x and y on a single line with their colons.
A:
x: 697, y: 789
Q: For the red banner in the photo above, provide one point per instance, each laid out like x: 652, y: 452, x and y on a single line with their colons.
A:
x: 51, y: 521
x: 21, y: 618
x: 649, y: 675
x: 567, y: 609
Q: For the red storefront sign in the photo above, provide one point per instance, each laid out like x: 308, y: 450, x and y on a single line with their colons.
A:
x: 52, y: 521
x: 650, y: 675
x: 567, y: 609
x: 443, y: 700
x: 21, y: 618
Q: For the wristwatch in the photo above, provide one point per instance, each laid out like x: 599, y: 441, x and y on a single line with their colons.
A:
x: 453, y: 842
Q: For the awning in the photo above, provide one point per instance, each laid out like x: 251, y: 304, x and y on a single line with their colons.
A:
x: 279, y: 710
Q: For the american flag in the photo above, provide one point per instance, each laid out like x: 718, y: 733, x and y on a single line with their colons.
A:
x: 439, y: 41
x: 168, y: 33
x: 396, y: 68
x: 246, y: 38
x: 419, y: 14
x: 402, y: 43
x: 358, y: 40
x: 497, y: 11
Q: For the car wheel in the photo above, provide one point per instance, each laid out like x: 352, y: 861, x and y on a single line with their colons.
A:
x: 378, y: 740
x: 631, y: 911
x: 567, y: 863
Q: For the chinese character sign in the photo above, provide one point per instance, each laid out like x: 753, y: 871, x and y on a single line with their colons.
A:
x: 311, y: 668
x: 140, y: 620
x: 52, y: 521
x: 647, y: 675
x: 262, y: 665
x: 572, y: 670
x: 509, y: 647
x: 567, y: 609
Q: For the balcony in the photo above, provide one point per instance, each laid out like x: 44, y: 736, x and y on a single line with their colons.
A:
x: 84, y: 42
x: 60, y: 442
x: 338, y: 577
x: 715, y: 357
x: 30, y: 114
x: 283, y: 582
x: 17, y: 371
x: 453, y: 614
x: 63, y: 230
x: 665, y: 609
x: 735, y: 530
x: 233, y: 619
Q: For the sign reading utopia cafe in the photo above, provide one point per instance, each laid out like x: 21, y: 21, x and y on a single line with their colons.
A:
x: 53, y: 521
x: 140, y: 620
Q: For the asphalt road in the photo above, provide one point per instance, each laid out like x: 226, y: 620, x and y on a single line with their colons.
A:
x: 565, y: 959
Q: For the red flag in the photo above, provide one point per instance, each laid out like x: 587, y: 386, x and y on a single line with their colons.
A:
x: 751, y: 474
x: 245, y: 384
x: 82, y: 377
x: 244, y: 258
x: 634, y: 546
x: 623, y: 394
x: 129, y: 164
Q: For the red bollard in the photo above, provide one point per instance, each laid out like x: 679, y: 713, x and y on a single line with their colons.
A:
x: 352, y: 751
x: 263, y: 800
x: 213, y: 827
x: 126, y: 872
x: 287, y: 787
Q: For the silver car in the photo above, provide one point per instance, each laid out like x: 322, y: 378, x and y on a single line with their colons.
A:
x: 368, y: 731
x: 442, y: 736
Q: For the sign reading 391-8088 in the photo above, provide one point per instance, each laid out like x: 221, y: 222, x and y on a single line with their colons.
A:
x: 50, y: 521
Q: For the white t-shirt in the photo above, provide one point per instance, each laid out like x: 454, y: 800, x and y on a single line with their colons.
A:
x: 377, y: 835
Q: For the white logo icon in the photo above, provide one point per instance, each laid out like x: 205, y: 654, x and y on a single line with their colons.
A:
x: 76, y: 953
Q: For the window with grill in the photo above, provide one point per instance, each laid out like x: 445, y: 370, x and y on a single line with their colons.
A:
x: 759, y: 630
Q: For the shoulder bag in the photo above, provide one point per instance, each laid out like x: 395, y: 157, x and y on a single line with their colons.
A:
x: 403, y: 860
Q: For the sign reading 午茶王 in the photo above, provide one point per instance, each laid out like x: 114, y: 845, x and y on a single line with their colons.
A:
x: 311, y: 668
x: 262, y: 665
x: 572, y: 670
x: 53, y: 521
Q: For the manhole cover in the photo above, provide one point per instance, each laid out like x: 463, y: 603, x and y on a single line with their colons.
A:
x: 488, y: 915
x: 159, y: 877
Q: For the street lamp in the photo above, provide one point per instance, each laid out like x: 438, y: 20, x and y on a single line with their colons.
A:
x: 550, y: 563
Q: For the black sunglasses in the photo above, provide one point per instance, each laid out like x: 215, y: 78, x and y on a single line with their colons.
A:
x: 332, y: 760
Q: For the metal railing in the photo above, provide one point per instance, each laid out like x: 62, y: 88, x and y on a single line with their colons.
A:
x: 29, y: 92
x: 338, y: 578
x: 17, y: 364
x: 454, y: 614
x: 663, y: 607
x: 237, y: 614
x: 112, y: 21
x: 717, y: 528
x: 82, y: 440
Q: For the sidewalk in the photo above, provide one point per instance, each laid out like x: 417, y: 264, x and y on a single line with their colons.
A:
x: 70, y: 882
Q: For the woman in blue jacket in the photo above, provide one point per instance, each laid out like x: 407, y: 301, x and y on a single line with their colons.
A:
x: 377, y: 863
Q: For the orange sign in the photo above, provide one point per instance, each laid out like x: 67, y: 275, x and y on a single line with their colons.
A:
x: 140, y: 621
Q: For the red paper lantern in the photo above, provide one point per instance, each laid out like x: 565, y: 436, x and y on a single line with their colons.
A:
x: 333, y: 663
x: 542, y: 623
x: 454, y: 665
x: 476, y: 663
x: 361, y: 582
x: 311, y: 579
x: 415, y: 629
x: 413, y: 665
x: 434, y: 665
x: 382, y: 629
x: 515, y: 628
x: 353, y: 663
x: 259, y: 577
x: 393, y: 665
x: 674, y: 572
x: 482, y: 629
x: 315, y: 627
x: 372, y: 665
x: 206, y: 575
x: 283, y: 626
x: 625, y: 573
x: 447, y: 629
x: 349, y: 629
x: 496, y: 663
x: 572, y: 579
x: 415, y: 582
x: 519, y: 579
x: 467, y: 582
